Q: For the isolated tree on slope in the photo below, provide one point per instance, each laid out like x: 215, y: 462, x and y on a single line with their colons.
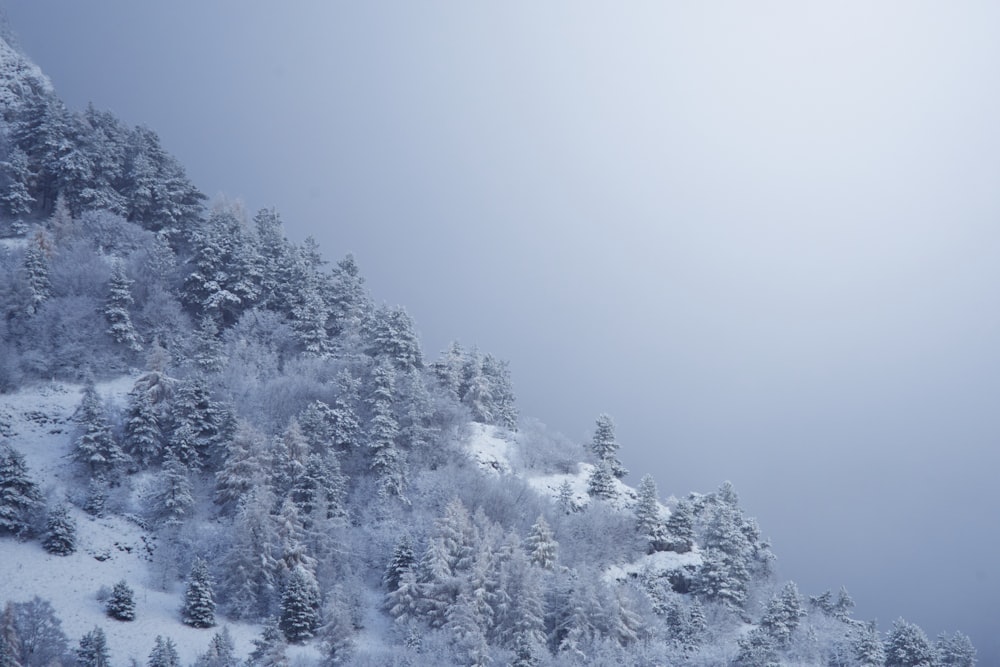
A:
x: 116, y: 309
x: 908, y: 646
x: 19, y: 495
x: 605, y: 446
x: 121, y: 604
x: 60, y: 532
x: 199, y: 601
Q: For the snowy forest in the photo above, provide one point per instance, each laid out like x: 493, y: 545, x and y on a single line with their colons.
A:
x: 217, y: 448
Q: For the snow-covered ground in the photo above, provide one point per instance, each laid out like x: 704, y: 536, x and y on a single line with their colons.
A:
x: 654, y: 564
x: 489, y: 449
x: 108, y: 549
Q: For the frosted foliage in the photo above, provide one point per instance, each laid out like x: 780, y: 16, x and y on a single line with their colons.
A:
x: 116, y: 310
x: 955, y: 650
x: 605, y: 446
x: 908, y: 646
x: 199, y: 600
x: 19, y: 495
x: 541, y: 545
x: 60, y: 532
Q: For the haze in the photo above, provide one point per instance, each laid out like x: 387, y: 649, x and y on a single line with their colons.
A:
x: 764, y: 236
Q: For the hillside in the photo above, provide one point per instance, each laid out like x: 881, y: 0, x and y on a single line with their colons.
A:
x: 199, y: 408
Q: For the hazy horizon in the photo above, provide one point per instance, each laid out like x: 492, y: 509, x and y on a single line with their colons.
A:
x: 764, y: 238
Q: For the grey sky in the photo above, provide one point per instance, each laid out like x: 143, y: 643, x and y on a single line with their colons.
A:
x: 764, y: 236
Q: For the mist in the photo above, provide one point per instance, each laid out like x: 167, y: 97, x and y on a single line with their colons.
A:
x: 762, y: 236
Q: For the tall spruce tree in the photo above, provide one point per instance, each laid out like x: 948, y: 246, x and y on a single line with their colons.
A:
x: 93, y: 650
x: 199, y: 600
x: 386, y: 458
x: 164, y: 653
x: 96, y: 447
x: 908, y: 646
x: 116, y: 309
x: 60, y: 532
x: 541, y: 545
x: 19, y: 495
x: 300, y: 606
x: 605, y: 446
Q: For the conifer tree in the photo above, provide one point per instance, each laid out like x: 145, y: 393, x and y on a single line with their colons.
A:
x: 96, y: 447
x: 199, y: 600
x: 601, y: 482
x: 19, y: 495
x: 60, y: 532
x: 345, y: 427
x: 116, y: 309
x: 121, y: 604
x: 299, y: 606
x: 93, y: 650
x: 175, y: 501
x: 383, y: 429
x: 269, y: 648
x: 908, y: 646
x: 243, y: 465
x: 497, y: 373
x: 564, y: 498
x: 647, y: 516
x: 404, y: 602
x: 782, y: 615
x: 15, y: 175
x: 251, y: 565
x: 143, y: 439
x: 680, y: 528
x: 955, y: 651
x: 403, y: 561
x: 164, y: 653
x: 605, y: 446
x: 221, y: 651
x: 541, y: 545
x: 208, y: 348
x: 35, y: 273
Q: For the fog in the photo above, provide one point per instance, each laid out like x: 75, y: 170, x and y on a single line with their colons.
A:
x: 764, y: 236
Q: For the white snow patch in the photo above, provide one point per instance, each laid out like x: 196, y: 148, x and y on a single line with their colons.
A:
x: 13, y: 243
x: 654, y: 564
x: 488, y: 449
x: 549, y: 485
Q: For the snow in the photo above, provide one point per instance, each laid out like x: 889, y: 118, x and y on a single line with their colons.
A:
x: 108, y: 549
x: 654, y: 564
x: 489, y: 450
x: 13, y: 243
x: 18, y: 74
x: 548, y: 485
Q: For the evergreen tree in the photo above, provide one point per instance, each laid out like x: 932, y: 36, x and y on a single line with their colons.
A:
x: 96, y: 446
x: 403, y: 561
x: 19, y: 495
x: 564, y: 498
x: 908, y: 646
x: 725, y: 573
x: 221, y: 651
x: 386, y: 459
x: 541, y: 545
x: 868, y: 648
x: 601, y: 482
x: 348, y: 298
x: 243, y: 465
x: 647, y: 516
x: 955, y: 651
x: 199, y: 600
x: 497, y: 373
x: 208, y: 348
x: 680, y: 528
x: 60, y: 532
x: 121, y: 604
x: 35, y: 273
x: 269, y: 648
x: 143, y: 439
x: 164, y: 653
x: 175, y: 501
x: 116, y: 309
x: 300, y: 606
x: 404, y: 602
x: 251, y: 565
x: 448, y: 370
x: 782, y: 615
x: 345, y: 427
x: 199, y: 423
x: 757, y: 649
x: 392, y: 338
x: 93, y: 650
x: 605, y: 446
x: 15, y: 178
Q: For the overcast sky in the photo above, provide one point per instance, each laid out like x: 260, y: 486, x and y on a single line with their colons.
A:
x: 764, y: 236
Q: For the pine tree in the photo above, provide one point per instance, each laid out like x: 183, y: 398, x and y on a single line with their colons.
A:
x: 404, y: 602
x: 497, y: 373
x: 221, y: 651
x: 200, y: 424
x: 403, y: 561
x: 164, y: 653
x: 93, y: 650
x: 116, y: 309
x: 345, y: 427
x: 121, y: 604
x: 96, y: 446
x: 243, y: 465
x: 199, y: 601
x: 60, y: 532
x: 680, y: 528
x: 955, y: 651
x: 19, y: 495
x: 782, y: 615
x: 605, y: 446
x: 601, y: 482
x: 35, y: 273
x: 869, y: 650
x: 208, y: 348
x: 541, y: 545
x: 269, y: 648
x: 143, y: 439
x: 175, y: 501
x: 300, y: 606
x: 386, y: 459
x: 564, y: 498
x: 757, y: 649
x: 908, y: 646
x: 647, y: 516
x: 348, y: 298
x: 251, y: 565
x: 15, y: 177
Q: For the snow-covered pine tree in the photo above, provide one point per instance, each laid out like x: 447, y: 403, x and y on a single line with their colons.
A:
x: 269, y: 648
x: 199, y: 600
x: 208, y: 348
x: 476, y: 389
x: 497, y: 373
x: 143, y: 439
x: 908, y: 646
x: 221, y: 651
x: 93, y: 650
x: 782, y: 615
x: 175, y: 499
x: 299, y: 606
x: 202, y: 422
x: 868, y: 647
x: 648, y: 521
x: 605, y: 446
x: 403, y: 561
x: 404, y: 602
x: 96, y: 447
x: 757, y: 649
x: 387, y: 461
x: 19, y: 495
x: 601, y: 482
x: 121, y: 605
x: 250, y: 567
x: 564, y: 498
x: 540, y: 544
x: 680, y: 528
x: 348, y: 298
x: 243, y: 465
x: 448, y: 370
x: 116, y: 309
x: 35, y: 273
x: 955, y: 650
x: 164, y: 653
x: 60, y: 532
x: 15, y: 197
